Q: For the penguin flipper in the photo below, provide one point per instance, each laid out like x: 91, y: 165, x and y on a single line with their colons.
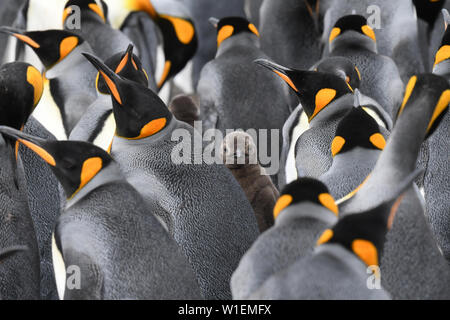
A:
x: 89, y: 285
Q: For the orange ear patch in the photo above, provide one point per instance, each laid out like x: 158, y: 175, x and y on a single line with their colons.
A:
x: 366, y: 251
x: 94, y: 7
x: 378, y: 141
x: 409, y: 90
x: 27, y: 40
x: 151, y: 128
x: 325, y: 237
x: 323, y: 98
x: 141, y: 5
x: 66, y: 46
x: 337, y: 145
x: 334, y: 33
x: 165, y: 74
x: 66, y: 13
x: 90, y: 168
x: 253, y: 29
x: 224, y: 33
x: 368, y: 31
x: 35, y: 78
x: 184, y: 29
x: 442, y: 54
x: 283, y: 202
x: 328, y: 202
x: 47, y: 157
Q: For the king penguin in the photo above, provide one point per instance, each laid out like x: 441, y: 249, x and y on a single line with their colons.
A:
x: 355, y: 148
x: 345, y: 263
x: 154, y: 149
x: 325, y: 98
x: 353, y: 38
x: 413, y: 266
x: 437, y: 178
x: 235, y: 93
x: 395, y: 27
x: 94, y: 27
x: 20, y: 91
x: 303, y: 212
x: 120, y: 254
x: 97, y: 125
x: 71, y: 77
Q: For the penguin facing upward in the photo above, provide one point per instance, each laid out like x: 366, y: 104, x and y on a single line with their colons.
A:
x: 121, y: 254
x: 356, y: 147
x: 104, y: 40
x: 412, y: 258
x: 394, y: 25
x: 325, y: 99
x: 346, y: 257
x: 71, y: 77
x: 235, y: 93
x: 303, y: 211
x: 185, y: 109
x: 20, y: 91
x: 147, y: 147
x: 297, y: 122
x: 239, y: 154
x: 97, y: 125
x: 437, y: 179
x: 351, y: 37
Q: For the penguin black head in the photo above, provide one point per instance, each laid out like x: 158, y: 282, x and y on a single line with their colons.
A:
x: 230, y: 26
x: 355, y: 23
x: 315, y: 90
x: 91, y: 6
x: 51, y: 46
x: 341, y: 67
x: 138, y: 111
x: 428, y: 10
x: 21, y: 87
x: 357, y: 129
x: 74, y: 163
x: 127, y: 65
x: 364, y: 233
x: 305, y: 190
x: 428, y: 87
x: 443, y: 54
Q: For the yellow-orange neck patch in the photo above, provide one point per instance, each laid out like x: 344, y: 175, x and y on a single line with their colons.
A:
x: 283, y: 202
x: 328, y: 202
x: 378, y: 141
x: 66, y: 46
x: 323, y: 98
x: 337, y: 145
x: 89, y: 170
x: 368, y: 31
x: 442, y: 54
x: 184, y: 29
x: 366, y: 251
x: 326, y: 236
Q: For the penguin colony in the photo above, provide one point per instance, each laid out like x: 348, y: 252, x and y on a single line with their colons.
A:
x: 94, y: 206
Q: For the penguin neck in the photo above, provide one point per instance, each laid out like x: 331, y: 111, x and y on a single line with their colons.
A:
x: 109, y: 174
x: 354, y: 41
x: 120, y: 143
x: 334, y: 110
x: 305, y: 210
x: 244, y: 39
x: 399, y: 158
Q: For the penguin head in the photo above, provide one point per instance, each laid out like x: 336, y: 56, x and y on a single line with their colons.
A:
x: 357, y: 129
x: 427, y: 89
x: 353, y: 29
x: 364, y: 233
x: 305, y: 190
x: 428, y: 10
x: 238, y: 150
x: 442, y: 56
x: 341, y: 67
x: 21, y: 87
x: 90, y: 7
x: 315, y: 90
x: 185, y: 109
x: 127, y: 65
x: 74, y: 163
x: 138, y: 111
x: 51, y: 46
x: 231, y: 26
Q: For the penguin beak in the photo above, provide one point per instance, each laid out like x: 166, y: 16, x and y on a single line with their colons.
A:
x: 214, y: 21
x: 21, y: 35
x: 112, y: 79
x: 281, y: 71
x: 35, y: 144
